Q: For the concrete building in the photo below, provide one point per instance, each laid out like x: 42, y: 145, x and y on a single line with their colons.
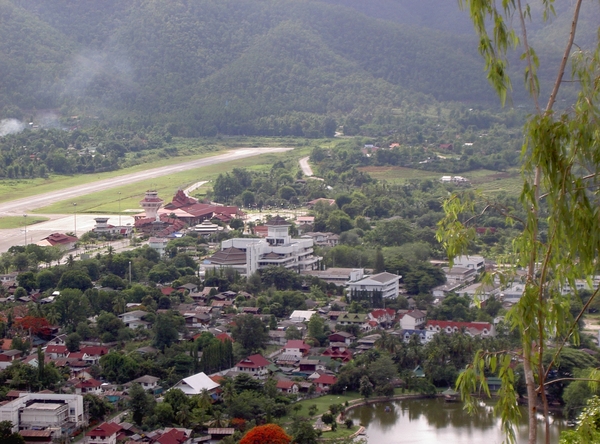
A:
x: 386, y: 283
x: 59, y: 413
x: 278, y: 249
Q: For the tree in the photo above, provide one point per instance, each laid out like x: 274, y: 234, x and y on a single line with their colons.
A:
x: 140, y: 403
x: 559, y: 241
x: 72, y: 308
x: 7, y: 436
x: 366, y: 388
x: 303, y: 432
x: 166, y: 329
x: 266, y: 434
x: 250, y: 333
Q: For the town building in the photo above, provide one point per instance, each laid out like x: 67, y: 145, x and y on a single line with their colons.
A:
x: 385, y: 283
x: 64, y: 241
x: 60, y: 413
x: 195, y: 384
x: 247, y: 255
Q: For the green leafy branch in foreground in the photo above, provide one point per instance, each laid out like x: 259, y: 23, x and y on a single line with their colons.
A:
x: 560, y: 241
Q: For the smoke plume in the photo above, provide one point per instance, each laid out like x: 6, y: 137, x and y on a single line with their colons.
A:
x: 11, y: 126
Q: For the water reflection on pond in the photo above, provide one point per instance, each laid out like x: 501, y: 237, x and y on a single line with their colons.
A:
x: 433, y: 420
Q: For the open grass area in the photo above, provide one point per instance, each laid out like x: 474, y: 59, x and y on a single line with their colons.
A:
x: 110, y: 201
x: 488, y: 182
x: 179, y: 151
x: 20, y: 221
x: 16, y: 189
x: 322, y: 403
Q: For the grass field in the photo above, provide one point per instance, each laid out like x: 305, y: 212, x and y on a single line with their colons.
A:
x: 20, y: 221
x: 110, y: 201
x: 488, y: 182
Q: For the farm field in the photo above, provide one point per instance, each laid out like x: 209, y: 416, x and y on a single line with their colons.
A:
x: 488, y: 182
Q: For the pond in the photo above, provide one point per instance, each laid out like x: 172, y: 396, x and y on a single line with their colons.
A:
x: 434, y: 420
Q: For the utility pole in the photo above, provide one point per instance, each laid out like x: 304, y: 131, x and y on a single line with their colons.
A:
x: 75, y: 217
x: 119, y: 211
x: 25, y: 219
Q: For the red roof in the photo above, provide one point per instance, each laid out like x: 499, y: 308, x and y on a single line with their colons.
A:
x: 285, y: 384
x: 76, y: 355
x: 60, y: 239
x: 167, y: 290
x: 297, y: 343
x: 254, y: 361
x: 105, y: 429
x: 455, y: 324
x: 325, y: 380
x: 94, y: 350
x: 381, y: 312
x: 173, y: 436
x: 224, y: 337
x: 89, y: 383
x: 57, y: 349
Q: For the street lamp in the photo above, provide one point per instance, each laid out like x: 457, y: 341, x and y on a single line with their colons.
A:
x: 25, y: 219
x: 75, y: 217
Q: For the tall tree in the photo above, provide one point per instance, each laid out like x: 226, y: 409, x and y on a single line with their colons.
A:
x: 560, y: 241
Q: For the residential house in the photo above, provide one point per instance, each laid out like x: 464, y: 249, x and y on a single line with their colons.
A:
x: 287, y: 386
x: 482, y: 329
x: 255, y: 365
x: 459, y: 275
x: 195, y: 384
x: 322, y: 239
x: 342, y: 336
x: 89, y: 386
x: 133, y: 319
x: 7, y: 357
x: 56, y: 351
x: 359, y: 319
x: 92, y: 354
x: 301, y: 315
x: 413, y: 320
x: 148, y: 383
x: 324, y: 382
x: 105, y: 433
x: 384, y: 317
x: 296, y: 347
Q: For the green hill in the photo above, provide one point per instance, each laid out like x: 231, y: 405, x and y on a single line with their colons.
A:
x: 251, y: 67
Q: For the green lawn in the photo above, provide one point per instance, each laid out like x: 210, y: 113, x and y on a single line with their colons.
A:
x: 486, y: 181
x: 20, y: 221
x: 322, y: 403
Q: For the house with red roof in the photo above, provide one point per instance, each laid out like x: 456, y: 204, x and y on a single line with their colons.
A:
x: 93, y: 353
x: 481, y: 329
x: 56, y: 351
x: 296, y: 347
x: 287, y: 386
x: 105, y: 433
x: 384, y: 317
x: 224, y: 337
x: 324, y: 382
x: 88, y: 386
x: 172, y: 436
x: 254, y: 365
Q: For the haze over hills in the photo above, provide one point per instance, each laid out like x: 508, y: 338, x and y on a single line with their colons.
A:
x: 254, y: 67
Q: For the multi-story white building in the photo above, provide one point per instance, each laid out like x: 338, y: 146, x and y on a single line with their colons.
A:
x: 60, y: 413
x: 386, y: 283
x: 247, y: 255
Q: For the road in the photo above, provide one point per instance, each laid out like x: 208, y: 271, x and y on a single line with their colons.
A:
x: 306, y: 169
x: 85, y: 222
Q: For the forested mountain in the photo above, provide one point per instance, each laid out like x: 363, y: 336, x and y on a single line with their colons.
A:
x: 273, y: 67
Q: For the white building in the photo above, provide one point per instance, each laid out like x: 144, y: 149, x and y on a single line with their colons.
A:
x: 279, y: 249
x: 159, y: 244
x: 413, y: 320
x: 195, y: 384
x: 475, y: 262
x: 386, y: 283
x: 60, y: 413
